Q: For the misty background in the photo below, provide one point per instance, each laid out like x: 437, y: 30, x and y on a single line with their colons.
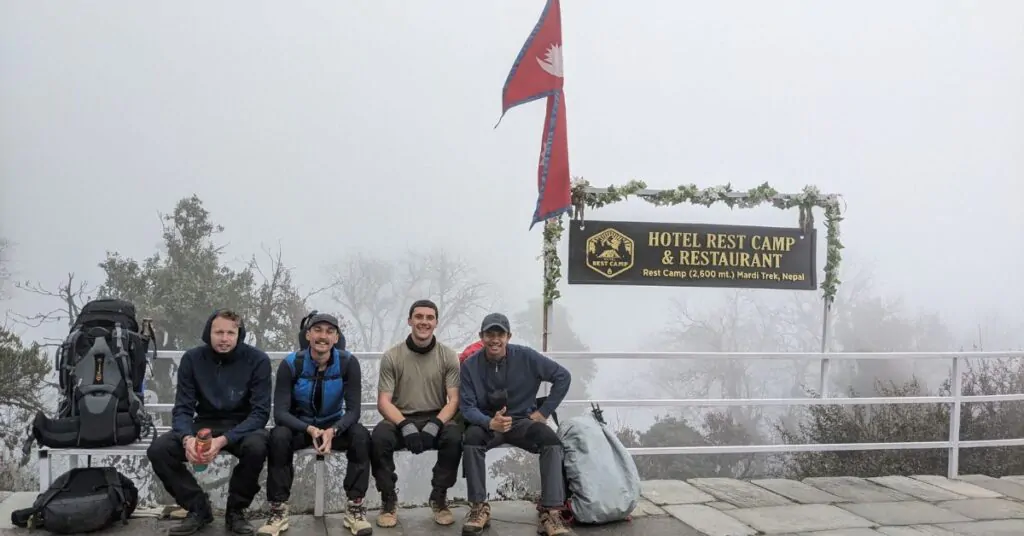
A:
x: 348, y: 138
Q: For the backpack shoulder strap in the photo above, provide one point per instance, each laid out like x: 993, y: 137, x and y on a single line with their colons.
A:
x: 116, y: 491
x: 299, y: 366
x: 343, y: 357
x: 28, y: 517
x: 121, y: 358
x: 136, y: 405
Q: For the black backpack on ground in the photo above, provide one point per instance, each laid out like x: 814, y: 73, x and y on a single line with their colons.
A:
x: 81, y: 500
x: 101, y: 366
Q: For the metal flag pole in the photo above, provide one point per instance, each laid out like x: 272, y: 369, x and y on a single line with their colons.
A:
x: 545, y: 307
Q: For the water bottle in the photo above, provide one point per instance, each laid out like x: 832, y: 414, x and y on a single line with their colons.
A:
x: 203, y: 440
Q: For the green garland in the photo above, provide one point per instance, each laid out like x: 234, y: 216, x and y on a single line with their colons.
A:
x: 807, y: 200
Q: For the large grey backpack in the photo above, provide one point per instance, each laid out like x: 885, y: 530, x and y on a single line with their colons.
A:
x: 602, y: 480
x: 101, y: 366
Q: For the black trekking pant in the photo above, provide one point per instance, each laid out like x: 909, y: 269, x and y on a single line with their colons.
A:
x: 167, y: 456
x: 387, y: 439
x: 531, y: 436
x: 354, y: 442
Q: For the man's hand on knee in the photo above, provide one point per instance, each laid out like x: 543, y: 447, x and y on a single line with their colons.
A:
x: 430, y: 431
x: 411, y: 436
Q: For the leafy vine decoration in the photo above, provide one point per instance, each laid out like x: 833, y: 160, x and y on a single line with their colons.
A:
x: 808, y: 199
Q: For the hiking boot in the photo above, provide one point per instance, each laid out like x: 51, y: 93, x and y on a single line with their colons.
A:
x: 552, y: 524
x: 388, y: 516
x: 355, y: 519
x: 193, y: 523
x: 478, y: 518
x: 439, y: 504
x: 278, y: 521
x: 235, y: 521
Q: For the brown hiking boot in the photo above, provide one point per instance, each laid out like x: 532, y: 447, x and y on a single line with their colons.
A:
x: 388, y: 516
x: 552, y: 524
x: 439, y: 504
x: 278, y: 521
x: 478, y: 518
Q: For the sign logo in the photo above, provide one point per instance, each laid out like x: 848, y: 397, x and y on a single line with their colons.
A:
x: 610, y: 253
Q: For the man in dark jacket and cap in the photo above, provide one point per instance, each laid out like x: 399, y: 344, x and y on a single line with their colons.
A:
x: 223, y: 385
x: 497, y: 397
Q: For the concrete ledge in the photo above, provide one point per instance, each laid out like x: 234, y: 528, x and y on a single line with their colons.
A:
x: 10, y: 502
x: 919, y: 505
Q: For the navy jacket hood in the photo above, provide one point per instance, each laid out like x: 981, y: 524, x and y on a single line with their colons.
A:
x: 209, y: 327
x: 214, y: 387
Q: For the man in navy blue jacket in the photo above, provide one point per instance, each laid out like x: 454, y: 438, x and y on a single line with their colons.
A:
x: 317, y: 399
x: 498, y: 399
x: 223, y: 385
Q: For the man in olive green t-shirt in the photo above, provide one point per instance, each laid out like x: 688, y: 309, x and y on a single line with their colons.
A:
x: 418, y: 396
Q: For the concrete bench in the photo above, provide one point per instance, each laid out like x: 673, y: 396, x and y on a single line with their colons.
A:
x: 139, y: 449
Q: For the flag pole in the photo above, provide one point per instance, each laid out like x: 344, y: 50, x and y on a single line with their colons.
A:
x: 546, y: 318
x: 546, y: 307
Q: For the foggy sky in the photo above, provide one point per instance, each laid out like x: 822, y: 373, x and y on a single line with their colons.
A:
x: 286, y: 118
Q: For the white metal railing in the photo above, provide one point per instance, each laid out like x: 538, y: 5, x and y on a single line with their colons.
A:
x: 953, y: 444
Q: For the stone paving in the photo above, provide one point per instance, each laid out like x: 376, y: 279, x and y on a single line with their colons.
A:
x: 920, y: 505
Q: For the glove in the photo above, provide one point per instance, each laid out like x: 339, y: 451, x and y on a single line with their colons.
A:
x: 411, y: 436
x: 430, y: 430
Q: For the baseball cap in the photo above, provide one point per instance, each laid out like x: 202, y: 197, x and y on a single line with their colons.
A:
x: 495, y: 321
x: 323, y: 318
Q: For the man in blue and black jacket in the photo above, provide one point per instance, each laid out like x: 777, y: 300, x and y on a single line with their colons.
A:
x: 317, y: 400
x: 223, y: 385
x: 498, y: 398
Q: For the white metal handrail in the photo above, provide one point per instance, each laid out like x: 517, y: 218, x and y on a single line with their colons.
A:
x: 956, y: 398
x: 704, y: 356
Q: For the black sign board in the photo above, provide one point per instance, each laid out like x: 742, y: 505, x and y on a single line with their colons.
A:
x: 691, y: 255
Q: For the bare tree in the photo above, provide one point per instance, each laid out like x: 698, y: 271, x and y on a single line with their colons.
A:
x: 376, y: 294
x: 277, y: 305
x: 70, y: 294
x: 5, y: 271
x: 740, y: 323
x: 743, y: 321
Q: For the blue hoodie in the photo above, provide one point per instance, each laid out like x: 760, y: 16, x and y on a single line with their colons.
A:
x: 232, y: 387
x: 519, y: 373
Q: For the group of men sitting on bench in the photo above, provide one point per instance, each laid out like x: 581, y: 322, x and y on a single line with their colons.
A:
x: 428, y: 401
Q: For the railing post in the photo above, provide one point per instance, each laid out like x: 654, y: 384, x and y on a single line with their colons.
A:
x: 826, y: 364
x: 954, y: 420
x: 320, y: 466
x: 45, y: 470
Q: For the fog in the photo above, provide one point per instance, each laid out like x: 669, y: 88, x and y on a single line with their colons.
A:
x: 335, y: 129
